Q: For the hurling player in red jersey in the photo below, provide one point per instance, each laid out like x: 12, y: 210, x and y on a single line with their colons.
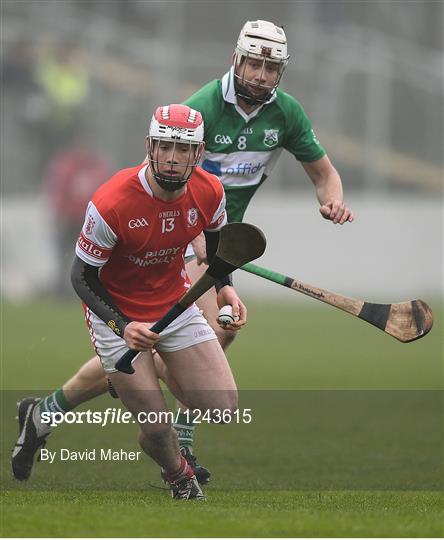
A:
x: 130, y: 269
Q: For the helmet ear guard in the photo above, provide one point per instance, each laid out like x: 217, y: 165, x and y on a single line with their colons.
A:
x: 175, y: 125
x: 263, y: 41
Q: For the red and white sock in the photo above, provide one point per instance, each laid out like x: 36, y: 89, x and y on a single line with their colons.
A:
x: 184, y: 470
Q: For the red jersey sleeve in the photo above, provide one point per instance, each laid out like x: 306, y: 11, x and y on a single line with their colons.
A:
x: 97, y: 239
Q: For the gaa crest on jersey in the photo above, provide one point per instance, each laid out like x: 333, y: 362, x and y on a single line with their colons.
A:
x: 192, y: 216
x: 89, y: 225
x: 271, y: 137
x: 137, y: 222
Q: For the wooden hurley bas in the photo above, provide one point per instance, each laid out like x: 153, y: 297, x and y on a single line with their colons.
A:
x: 406, y: 321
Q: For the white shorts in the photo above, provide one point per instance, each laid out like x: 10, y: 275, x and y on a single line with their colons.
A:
x: 190, y: 328
x: 189, y: 252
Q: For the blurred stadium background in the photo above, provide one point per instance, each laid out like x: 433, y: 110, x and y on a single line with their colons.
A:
x: 369, y: 74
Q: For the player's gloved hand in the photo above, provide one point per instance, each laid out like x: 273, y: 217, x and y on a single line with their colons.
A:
x: 199, y: 246
x: 337, y: 212
x: 139, y: 337
x: 228, y: 296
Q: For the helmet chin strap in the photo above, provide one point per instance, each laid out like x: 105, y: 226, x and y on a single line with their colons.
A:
x: 243, y: 92
x: 168, y: 183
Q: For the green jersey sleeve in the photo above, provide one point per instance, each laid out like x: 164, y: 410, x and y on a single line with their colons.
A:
x: 300, y: 139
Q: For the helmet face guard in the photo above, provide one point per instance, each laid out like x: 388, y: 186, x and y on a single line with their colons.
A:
x: 263, y: 42
x: 173, y: 174
x: 177, y: 131
x: 240, y: 83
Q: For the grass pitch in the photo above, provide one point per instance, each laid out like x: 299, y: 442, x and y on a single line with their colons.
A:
x: 225, y: 513
x: 346, y: 437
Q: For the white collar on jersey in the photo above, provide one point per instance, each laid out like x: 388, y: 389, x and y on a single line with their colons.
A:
x: 144, y: 182
x: 229, y: 95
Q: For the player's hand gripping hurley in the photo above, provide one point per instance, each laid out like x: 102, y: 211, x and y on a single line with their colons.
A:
x: 239, y: 243
x: 406, y: 321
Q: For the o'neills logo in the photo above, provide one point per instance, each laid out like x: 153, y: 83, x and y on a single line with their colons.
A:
x: 89, y: 247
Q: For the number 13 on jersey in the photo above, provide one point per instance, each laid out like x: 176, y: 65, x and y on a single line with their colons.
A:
x: 167, y: 224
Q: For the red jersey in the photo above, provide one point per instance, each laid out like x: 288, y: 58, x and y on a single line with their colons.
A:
x: 139, y: 241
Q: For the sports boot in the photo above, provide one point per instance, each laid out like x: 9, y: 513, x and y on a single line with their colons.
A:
x: 186, y: 487
x: 28, y: 443
x: 202, y: 474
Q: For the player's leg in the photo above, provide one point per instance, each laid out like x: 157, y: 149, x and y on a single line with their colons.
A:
x: 204, y: 375
x: 184, y: 425
x: 203, y: 389
x: 141, y: 393
x: 87, y: 383
x: 184, y: 421
x: 194, y: 359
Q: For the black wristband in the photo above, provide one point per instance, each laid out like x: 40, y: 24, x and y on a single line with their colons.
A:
x: 227, y: 280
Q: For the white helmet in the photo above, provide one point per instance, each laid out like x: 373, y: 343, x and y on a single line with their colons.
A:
x: 177, y: 124
x: 264, y: 41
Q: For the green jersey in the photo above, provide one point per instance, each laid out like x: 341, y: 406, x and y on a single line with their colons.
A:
x: 242, y: 149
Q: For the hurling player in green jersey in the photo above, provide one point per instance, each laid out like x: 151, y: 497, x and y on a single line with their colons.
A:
x: 248, y: 121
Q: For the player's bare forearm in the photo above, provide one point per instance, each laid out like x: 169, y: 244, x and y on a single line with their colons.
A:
x: 199, y: 247
x: 329, y: 192
x: 329, y: 187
